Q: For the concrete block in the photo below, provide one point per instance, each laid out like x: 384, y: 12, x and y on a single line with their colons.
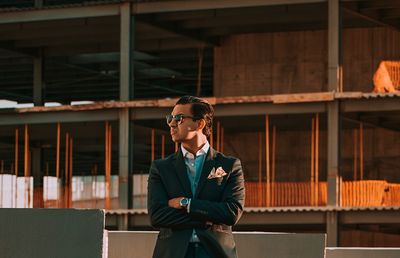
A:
x: 52, y: 233
x: 358, y: 252
x: 123, y: 244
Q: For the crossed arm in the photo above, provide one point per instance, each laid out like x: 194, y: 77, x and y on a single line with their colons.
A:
x: 161, y: 214
x: 165, y: 212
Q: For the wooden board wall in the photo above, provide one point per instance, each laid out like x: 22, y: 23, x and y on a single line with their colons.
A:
x: 381, y: 152
x: 294, y: 62
x: 292, y: 154
x: 359, y: 238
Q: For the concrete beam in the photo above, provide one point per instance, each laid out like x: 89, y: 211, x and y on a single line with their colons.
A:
x: 55, y: 117
x: 196, y: 5
x: 370, y: 217
x: 59, y: 13
x: 76, y: 12
x: 370, y: 105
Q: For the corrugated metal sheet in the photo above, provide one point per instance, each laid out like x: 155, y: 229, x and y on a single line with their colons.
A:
x: 369, y: 95
x: 381, y: 95
x: 317, y: 209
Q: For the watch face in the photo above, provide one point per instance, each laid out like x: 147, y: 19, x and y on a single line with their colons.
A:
x: 184, y: 202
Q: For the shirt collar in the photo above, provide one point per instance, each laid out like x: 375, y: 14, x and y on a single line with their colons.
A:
x: 202, y: 151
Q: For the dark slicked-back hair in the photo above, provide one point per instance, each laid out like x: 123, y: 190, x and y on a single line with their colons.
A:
x: 201, y: 109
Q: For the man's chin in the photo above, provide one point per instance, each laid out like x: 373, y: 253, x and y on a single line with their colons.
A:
x: 175, y: 140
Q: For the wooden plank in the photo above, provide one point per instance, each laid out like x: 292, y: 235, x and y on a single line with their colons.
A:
x: 303, y: 97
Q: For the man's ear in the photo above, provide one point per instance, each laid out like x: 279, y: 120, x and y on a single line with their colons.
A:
x: 201, y: 124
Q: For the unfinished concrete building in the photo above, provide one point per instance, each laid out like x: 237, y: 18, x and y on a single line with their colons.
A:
x: 306, y: 93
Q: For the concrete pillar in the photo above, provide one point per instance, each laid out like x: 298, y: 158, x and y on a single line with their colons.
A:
x: 38, y: 83
x: 37, y: 174
x: 126, y: 94
x: 333, y: 116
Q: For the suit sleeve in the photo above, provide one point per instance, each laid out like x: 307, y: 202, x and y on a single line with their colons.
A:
x: 229, y: 210
x: 161, y: 215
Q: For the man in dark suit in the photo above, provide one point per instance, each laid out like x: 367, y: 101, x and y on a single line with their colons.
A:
x: 196, y: 195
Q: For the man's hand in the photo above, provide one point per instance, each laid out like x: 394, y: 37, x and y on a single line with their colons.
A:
x: 175, y: 203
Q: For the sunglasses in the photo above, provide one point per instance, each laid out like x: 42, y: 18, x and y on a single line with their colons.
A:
x: 178, y: 118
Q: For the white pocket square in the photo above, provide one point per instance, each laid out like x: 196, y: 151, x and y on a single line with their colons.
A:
x: 217, y: 173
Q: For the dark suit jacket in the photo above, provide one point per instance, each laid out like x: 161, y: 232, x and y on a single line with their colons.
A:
x: 218, y: 200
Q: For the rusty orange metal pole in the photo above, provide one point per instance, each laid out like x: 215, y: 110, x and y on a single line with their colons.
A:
x: 26, y: 165
x: 316, y: 158
x: 70, y: 173
x: 259, y: 186
x: 355, y: 153
x: 106, y: 152
x: 361, y: 155
x: 47, y: 185
x: 162, y: 146
x: 218, y: 136
x: 58, y: 150
x: 66, y: 156
x: 199, y: 71
x: 95, y: 184
x: 26, y: 152
x: 110, y: 149
x: 312, y: 163
x: 16, y: 152
x: 267, y: 162
x: 16, y: 167
x: 108, y: 171
x: 222, y: 138
x: 273, y: 164
x: 152, y: 143
x: 66, y: 170
x: 1, y: 185
x: 212, y: 138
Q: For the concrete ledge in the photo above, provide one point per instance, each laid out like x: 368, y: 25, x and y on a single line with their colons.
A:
x: 55, y: 233
x: 130, y: 244
x: 358, y: 252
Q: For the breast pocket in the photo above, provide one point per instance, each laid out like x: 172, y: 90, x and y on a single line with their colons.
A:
x: 214, y: 188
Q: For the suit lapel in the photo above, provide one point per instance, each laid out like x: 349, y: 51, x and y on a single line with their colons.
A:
x: 181, y: 172
x: 207, y: 167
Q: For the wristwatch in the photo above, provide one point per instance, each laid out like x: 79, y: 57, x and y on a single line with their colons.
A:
x: 184, y: 202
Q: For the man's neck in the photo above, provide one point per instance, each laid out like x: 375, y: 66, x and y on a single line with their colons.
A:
x: 195, y: 145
